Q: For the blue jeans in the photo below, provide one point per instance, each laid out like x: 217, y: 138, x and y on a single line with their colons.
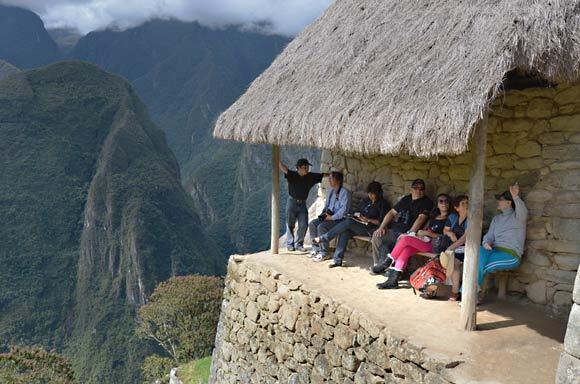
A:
x: 345, y: 231
x: 296, y: 211
x: 494, y: 260
x: 318, y: 227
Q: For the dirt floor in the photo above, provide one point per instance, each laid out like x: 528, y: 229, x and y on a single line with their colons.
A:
x: 515, y: 343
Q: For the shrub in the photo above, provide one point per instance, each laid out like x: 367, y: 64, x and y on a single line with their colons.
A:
x: 156, y: 367
x: 182, y: 316
x: 34, y: 365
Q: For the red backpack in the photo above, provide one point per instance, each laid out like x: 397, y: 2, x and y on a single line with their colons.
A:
x: 431, y: 273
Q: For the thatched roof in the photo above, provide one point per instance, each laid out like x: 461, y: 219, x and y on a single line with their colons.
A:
x: 391, y: 76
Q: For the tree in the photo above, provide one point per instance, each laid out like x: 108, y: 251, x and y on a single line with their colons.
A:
x: 34, y: 365
x: 182, y: 316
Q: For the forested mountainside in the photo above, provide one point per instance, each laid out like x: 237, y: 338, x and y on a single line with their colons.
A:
x: 187, y: 74
x: 93, y: 216
x: 24, y: 42
x: 7, y: 69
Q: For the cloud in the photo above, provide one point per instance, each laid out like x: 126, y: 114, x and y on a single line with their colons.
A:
x: 286, y: 17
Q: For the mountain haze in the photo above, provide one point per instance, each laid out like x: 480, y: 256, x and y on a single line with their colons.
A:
x: 94, y: 216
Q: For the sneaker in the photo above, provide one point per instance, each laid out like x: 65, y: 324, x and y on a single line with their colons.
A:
x: 334, y: 264
x: 313, y: 253
x: 300, y: 248
x: 319, y: 257
x: 290, y: 249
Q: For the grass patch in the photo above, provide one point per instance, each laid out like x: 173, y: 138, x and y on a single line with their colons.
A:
x: 196, y: 371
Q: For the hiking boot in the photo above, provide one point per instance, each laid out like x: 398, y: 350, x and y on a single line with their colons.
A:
x: 392, y: 280
x: 380, y: 268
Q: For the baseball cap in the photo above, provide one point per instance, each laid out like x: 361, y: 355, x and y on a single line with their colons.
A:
x: 504, y: 196
x: 302, y: 162
x: 418, y: 182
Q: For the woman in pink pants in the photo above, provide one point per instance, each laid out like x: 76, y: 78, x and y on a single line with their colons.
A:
x: 408, y: 245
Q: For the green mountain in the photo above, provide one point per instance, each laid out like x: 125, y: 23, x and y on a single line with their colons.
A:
x: 187, y: 74
x: 7, y: 69
x: 93, y: 216
x: 24, y: 42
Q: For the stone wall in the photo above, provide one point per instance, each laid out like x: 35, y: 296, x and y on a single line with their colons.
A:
x: 534, y: 138
x: 569, y: 368
x: 274, y: 330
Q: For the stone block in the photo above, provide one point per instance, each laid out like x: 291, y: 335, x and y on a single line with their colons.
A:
x: 568, y: 95
x: 567, y: 262
x: 552, y: 138
x: 565, y: 123
x: 333, y: 354
x: 537, y: 292
x: 575, y: 138
x: 288, y: 314
x: 558, y: 276
x: 433, y: 378
x: 379, y: 355
x: 322, y: 366
x: 561, y: 152
x: 564, y: 228
x: 369, y: 326
x: 350, y: 362
x: 283, y: 351
x: 568, y: 369
x: 344, y: 337
x: 409, y: 370
x: 515, y: 125
x: 363, y: 376
x: 538, y: 257
x: 540, y: 108
x: 529, y: 164
x: 562, y: 299
x: 565, y: 165
x: 559, y: 246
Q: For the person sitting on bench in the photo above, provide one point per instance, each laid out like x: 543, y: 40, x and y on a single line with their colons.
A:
x: 408, y: 215
x: 409, y: 245
x: 454, y: 241
x: 503, y: 244
x: 335, y: 210
x: 372, y: 211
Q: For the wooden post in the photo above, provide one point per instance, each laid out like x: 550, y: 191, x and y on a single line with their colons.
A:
x: 468, y: 319
x: 275, y: 229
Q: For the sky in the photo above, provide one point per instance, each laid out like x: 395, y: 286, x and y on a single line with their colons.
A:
x: 286, y: 17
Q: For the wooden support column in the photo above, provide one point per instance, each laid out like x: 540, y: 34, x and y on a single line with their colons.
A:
x: 275, y: 228
x: 468, y: 319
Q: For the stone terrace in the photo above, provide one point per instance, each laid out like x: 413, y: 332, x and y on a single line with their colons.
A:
x: 286, y: 319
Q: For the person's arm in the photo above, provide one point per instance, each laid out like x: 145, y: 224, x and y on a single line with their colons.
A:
x: 283, y: 167
x: 458, y: 243
x: 521, y: 211
x: 449, y: 233
x: 489, y: 237
x: 344, y: 205
x: 386, y: 221
x: 419, y: 223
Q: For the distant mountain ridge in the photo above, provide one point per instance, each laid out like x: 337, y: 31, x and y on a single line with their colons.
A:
x: 24, y: 42
x: 94, y: 216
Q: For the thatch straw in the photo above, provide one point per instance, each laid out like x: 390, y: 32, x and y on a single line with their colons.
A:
x: 391, y: 76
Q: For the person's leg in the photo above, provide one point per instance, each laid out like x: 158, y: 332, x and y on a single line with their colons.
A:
x: 335, y: 230
x: 456, y: 280
x: 341, y: 246
x: 290, y: 223
x: 302, y: 215
x: 313, y: 229
x: 377, y: 243
x: 496, y: 260
x: 322, y: 229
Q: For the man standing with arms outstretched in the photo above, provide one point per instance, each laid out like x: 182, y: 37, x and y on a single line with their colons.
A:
x: 299, y: 184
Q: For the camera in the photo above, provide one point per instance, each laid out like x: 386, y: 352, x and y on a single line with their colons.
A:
x: 322, y: 216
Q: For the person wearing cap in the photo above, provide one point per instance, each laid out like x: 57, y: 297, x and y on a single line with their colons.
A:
x: 503, y: 244
x: 407, y: 216
x: 335, y: 210
x: 299, y: 184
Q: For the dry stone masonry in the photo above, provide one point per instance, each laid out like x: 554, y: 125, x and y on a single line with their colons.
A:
x: 569, y: 368
x: 533, y: 138
x: 274, y: 330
